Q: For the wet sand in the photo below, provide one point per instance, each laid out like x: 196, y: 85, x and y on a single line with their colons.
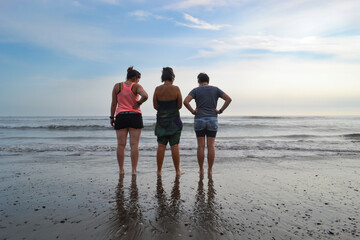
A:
x: 79, y: 197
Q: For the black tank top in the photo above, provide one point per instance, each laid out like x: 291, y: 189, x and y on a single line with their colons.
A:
x: 167, y: 105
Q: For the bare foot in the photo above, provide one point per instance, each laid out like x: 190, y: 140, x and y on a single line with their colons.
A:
x: 159, y: 173
x: 210, y: 172
x: 133, y: 172
x: 122, y: 172
x: 201, y: 171
x: 179, y: 173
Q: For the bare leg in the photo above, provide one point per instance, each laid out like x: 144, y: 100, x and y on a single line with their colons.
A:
x: 200, y: 153
x: 134, y: 145
x: 176, y: 158
x: 160, y: 157
x: 121, y: 144
x: 211, y: 153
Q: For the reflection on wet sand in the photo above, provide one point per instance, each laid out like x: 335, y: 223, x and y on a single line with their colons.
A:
x: 205, y: 205
x: 168, y: 217
x: 207, y: 219
x: 127, y: 221
x: 167, y: 208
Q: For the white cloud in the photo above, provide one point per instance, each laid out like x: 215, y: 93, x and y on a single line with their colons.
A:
x: 75, y: 39
x: 209, y: 4
x: 299, y: 18
x: 112, y: 2
x: 140, y: 14
x: 339, y: 47
x: 143, y: 15
x: 76, y: 4
x: 197, y: 23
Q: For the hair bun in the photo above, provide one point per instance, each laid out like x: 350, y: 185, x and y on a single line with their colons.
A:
x: 130, y: 69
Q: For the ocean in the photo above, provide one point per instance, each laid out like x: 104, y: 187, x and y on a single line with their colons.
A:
x: 238, y: 137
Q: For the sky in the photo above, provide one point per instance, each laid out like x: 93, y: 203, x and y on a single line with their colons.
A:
x: 272, y: 57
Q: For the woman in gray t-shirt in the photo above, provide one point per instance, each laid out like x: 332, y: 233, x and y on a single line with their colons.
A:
x: 205, y: 123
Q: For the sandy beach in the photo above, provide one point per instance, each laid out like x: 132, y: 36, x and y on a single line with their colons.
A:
x: 81, y: 197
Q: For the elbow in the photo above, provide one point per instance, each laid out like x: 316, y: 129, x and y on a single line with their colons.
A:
x: 145, y: 97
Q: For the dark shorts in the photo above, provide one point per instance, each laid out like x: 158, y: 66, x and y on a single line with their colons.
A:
x: 206, y: 126
x: 173, y: 139
x: 206, y: 132
x: 128, y: 120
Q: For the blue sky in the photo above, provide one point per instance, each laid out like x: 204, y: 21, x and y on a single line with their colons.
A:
x: 295, y: 57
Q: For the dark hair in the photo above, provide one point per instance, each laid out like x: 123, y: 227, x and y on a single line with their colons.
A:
x: 131, y: 73
x: 203, y: 77
x: 167, y: 74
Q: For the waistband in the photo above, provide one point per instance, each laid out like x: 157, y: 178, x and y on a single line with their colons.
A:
x: 129, y: 113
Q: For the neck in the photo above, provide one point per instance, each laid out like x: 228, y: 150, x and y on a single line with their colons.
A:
x: 204, y: 84
x: 168, y: 82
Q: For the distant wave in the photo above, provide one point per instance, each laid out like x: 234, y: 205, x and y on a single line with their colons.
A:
x: 107, y: 148
x: 352, y: 136
x: 59, y: 127
x: 296, y: 136
x: 264, y: 117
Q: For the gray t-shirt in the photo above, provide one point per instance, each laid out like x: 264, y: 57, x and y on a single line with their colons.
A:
x: 206, y: 98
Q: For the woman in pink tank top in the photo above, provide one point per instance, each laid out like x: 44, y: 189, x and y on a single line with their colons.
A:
x: 126, y: 104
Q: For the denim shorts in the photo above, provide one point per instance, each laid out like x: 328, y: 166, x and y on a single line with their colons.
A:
x: 206, y: 126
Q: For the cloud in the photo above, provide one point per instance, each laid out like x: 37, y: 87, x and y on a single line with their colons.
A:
x: 296, y: 18
x: 84, y: 41
x: 192, y: 21
x: 181, y: 5
x: 76, y: 4
x: 143, y: 15
x: 345, y: 47
x: 112, y: 2
x: 197, y: 23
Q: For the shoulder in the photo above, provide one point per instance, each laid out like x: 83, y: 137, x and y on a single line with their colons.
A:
x: 193, y: 92
x: 136, y: 86
x: 116, y: 87
x: 158, y: 88
x: 215, y: 87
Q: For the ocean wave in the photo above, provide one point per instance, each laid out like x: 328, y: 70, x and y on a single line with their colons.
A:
x: 352, y: 136
x: 296, y: 136
x: 107, y: 148
x: 59, y: 127
x: 264, y: 117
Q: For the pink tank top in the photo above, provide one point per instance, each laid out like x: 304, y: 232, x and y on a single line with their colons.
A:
x: 126, y: 100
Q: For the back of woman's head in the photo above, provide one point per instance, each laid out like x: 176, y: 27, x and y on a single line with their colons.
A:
x: 203, y: 77
x: 167, y: 74
x: 131, y: 73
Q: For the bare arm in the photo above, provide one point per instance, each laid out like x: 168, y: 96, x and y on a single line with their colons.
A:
x: 155, y: 104
x: 188, y: 106
x: 143, y: 94
x: 179, y: 98
x: 226, y: 103
x: 113, y: 104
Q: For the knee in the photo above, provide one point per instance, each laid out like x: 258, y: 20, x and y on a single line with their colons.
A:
x: 201, y: 147
x: 211, y: 145
x: 121, y: 145
x: 134, y: 144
